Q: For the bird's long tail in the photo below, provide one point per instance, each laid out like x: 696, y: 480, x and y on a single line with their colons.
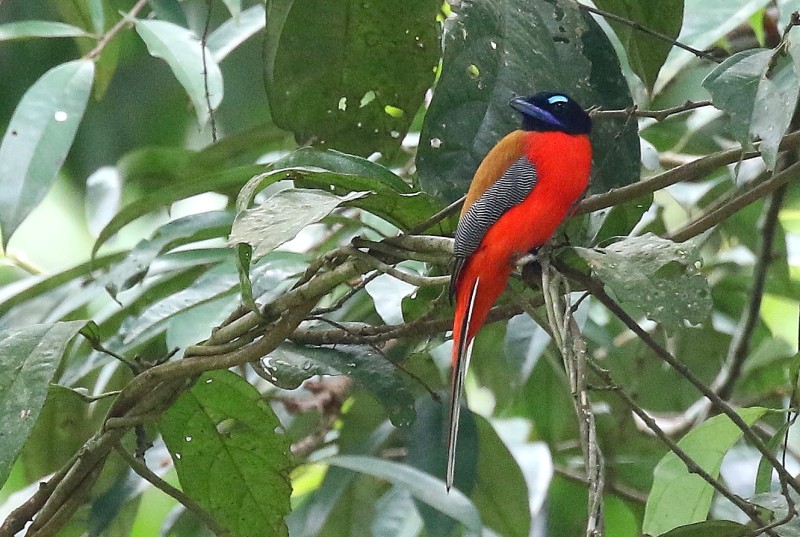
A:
x: 481, y: 281
x: 462, y: 349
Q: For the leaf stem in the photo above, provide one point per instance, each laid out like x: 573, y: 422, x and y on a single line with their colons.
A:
x: 148, y: 475
x: 126, y: 20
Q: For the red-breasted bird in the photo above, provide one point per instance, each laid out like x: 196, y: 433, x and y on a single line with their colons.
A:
x: 522, y: 191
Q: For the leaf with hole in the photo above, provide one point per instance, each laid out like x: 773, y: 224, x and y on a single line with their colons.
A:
x: 660, y: 277
x: 347, y: 95
x: 488, y: 60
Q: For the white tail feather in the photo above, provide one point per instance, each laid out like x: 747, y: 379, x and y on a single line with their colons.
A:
x: 464, y: 350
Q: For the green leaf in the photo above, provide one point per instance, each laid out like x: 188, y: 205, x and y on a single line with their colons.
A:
x: 346, y: 95
x: 500, y: 480
x: 163, y: 197
x: 704, y: 23
x: 427, y: 453
x: 290, y: 365
x: 217, y: 282
x: 403, y: 209
x: 193, y: 228
x: 396, y: 515
x: 775, y: 103
x: 283, y: 216
x: 39, y: 137
x: 230, y: 454
x: 342, y: 163
x: 487, y: 61
x: 422, y: 486
x: 188, y: 60
x: 733, y: 86
x: 658, y: 276
x: 234, y: 6
x: 29, y: 358
x: 679, y: 497
x: 233, y: 32
x: 646, y: 53
x: 30, y: 29
x: 709, y: 528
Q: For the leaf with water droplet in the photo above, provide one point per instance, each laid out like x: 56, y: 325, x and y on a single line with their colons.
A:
x: 292, y: 364
x: 658, y: 276
x: 228, y: 455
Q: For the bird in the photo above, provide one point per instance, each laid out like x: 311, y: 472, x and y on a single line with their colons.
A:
x: 523, y: 189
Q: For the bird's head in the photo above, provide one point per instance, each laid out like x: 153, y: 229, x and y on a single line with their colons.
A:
x: 549, y: 111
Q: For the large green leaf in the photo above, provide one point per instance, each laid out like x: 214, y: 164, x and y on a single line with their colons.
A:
x: 230, y: 454
x: 364, y: 82
x: 646, y: 53
x: 658, y: 276
x: 292, y: 364
x: 29, y: 358
x: 421, y: 485
x: 488, y: 60
x: 39, y: 137
x: 191, y: 63
x: 679, y: 497
x: 427, y: 452
x: 500, y: 480
x: 733, y: 86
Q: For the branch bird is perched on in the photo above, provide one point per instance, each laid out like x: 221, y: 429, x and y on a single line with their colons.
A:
x: 521, y: 192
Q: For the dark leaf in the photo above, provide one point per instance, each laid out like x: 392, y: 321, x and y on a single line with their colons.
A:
x: 488, y: 60
x: 346, y: 94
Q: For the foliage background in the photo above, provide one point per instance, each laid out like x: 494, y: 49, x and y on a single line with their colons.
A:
x: 132, y: 217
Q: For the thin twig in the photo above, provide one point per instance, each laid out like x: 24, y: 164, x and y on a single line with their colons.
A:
x: 572, y: 348
x: 204, y: 53
x: 598, y: 291
x: 691, y: 466
x: 638, y: 27
x: 148, y: 475
x: 126, y: 20
x: 690, y: 171
x: 709, y: 220
x: 618, y: 489
x: 740, y: 342
x: 658, y: 115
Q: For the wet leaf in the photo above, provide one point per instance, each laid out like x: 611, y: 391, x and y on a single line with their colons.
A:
x: 338, y: 96
x: 29, y: 358
x: 658, y: 276
x: 291, y: 364
x: 230, y: 453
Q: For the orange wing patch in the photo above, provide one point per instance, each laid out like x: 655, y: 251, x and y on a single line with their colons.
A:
x: 494, y: 165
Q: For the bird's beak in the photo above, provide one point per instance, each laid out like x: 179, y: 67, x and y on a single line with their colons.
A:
x: 531, y: 110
